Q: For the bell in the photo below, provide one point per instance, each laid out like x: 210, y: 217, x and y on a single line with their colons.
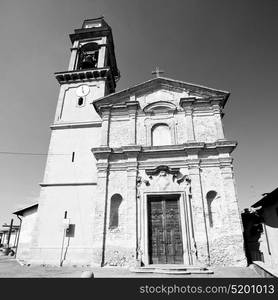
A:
x: 88, y: 62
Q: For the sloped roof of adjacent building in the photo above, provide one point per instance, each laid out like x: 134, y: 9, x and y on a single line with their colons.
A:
x: 268, y: 199
x: 192, y: 88
x: 25, y: 208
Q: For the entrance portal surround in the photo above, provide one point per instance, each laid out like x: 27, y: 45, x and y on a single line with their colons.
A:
x: 185, y: 218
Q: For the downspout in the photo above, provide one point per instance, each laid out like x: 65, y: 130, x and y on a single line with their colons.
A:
x: 10, y: 232
x: 204, y: 214
x: 17, y: 241
x: 105, y: 218
x: 192, y: 225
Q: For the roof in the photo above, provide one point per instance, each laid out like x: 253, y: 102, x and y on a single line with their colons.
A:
x: 268, y: 199
x: 194, y: 89
x: 24, y: 209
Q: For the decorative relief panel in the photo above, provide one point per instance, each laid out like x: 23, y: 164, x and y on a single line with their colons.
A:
x: 162, y: 179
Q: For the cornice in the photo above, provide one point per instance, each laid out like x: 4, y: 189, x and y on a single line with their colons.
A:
x: 189, y: 149
x: 76, y: 125
x: 196, y: 91
x: 89, y: 74
x: 182, y: 162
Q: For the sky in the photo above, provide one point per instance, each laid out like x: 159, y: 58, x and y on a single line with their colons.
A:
x: 224, y: 44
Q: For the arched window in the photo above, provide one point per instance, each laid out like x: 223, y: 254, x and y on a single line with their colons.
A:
x: 115, y: 203
x: 88, y: 56
x: 211, y: 195
x: 161, y: 135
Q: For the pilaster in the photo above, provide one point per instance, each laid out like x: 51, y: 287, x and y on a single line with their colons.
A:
x: 73, y: 56
x: 132, y: 107
x: 100, y: 221
x: 105, y: 111
x: 217, y: 111
x: 198, y: 209
x: 132, y: 169
x: 231, y: 203
x: 186, y: 104
x: 101, y: 55
x: 235, y: 230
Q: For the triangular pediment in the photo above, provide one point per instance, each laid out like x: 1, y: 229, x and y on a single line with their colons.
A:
x: 161, y: 89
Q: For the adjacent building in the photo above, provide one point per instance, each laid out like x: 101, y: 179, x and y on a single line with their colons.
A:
x: 28, y: 217
x: 261, y: 230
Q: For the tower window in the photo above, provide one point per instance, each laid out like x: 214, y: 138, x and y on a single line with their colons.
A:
x: 72, y: 157
x: 80, y: 101
x: 115, y: 203
x: 88, y: 56
x: 161, y: 135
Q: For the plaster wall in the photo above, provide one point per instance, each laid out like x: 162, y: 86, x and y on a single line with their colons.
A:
x: 60, y: 168
x: 79, y: 202
x: 29, y: 219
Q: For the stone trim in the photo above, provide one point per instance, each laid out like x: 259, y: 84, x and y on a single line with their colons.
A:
x: 161, y: 107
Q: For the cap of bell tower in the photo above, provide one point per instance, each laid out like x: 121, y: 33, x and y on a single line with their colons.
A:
x: 92, y: 55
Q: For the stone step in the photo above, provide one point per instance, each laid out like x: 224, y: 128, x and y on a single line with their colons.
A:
x: 172, y: 269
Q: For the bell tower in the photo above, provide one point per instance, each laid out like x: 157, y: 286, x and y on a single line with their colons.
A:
x: 92, y: 72
x: 70, y: 177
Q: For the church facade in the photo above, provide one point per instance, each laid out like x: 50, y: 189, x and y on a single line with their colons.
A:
x: 140, y: 176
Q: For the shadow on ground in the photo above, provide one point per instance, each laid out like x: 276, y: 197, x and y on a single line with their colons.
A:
x: 10, y: 268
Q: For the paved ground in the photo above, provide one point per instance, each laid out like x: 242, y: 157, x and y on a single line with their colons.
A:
x: 10, y: 268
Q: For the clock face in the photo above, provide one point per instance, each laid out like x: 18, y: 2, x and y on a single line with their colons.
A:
x: 82, y: 90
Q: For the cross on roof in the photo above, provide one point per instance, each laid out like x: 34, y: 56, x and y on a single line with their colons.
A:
x: 157, y: 72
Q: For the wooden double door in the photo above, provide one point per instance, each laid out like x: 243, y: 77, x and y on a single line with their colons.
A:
x: 164, y: 230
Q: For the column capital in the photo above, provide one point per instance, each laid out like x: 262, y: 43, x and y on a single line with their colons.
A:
x: 132, y: 107
x: 101, y: 153
x: 131, y: 150
x: 105, y: 110
x: 186, y: 103
x: 193, y: 166
x: 217, y: 100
